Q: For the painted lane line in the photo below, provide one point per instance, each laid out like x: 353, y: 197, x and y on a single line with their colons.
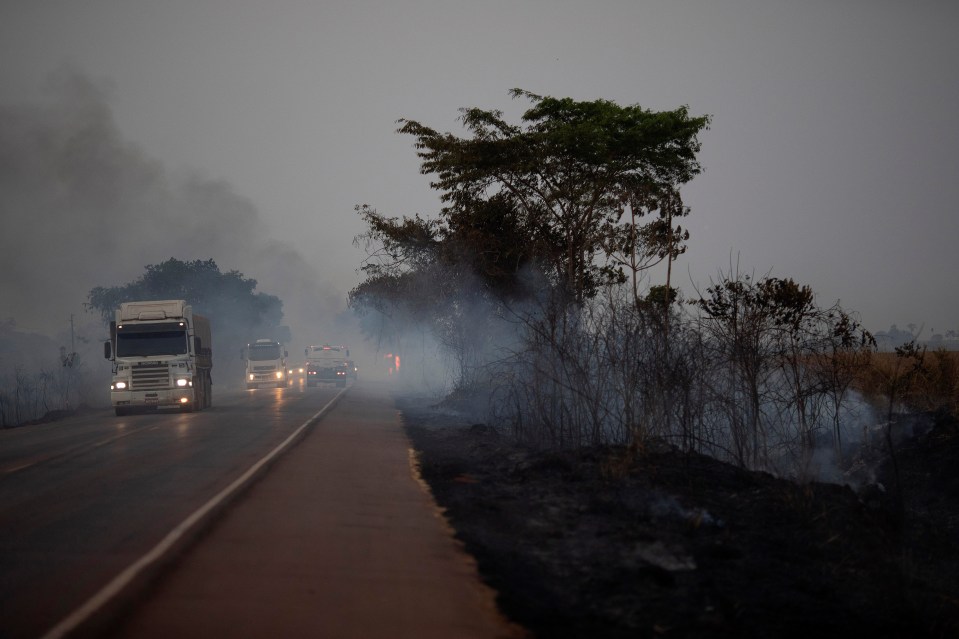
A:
x: 72, y: 621
x: 74, y: 451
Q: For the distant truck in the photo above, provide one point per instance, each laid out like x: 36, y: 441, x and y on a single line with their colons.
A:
x: 265, y: 364
x: 328, y: 364
x: 162, y: 354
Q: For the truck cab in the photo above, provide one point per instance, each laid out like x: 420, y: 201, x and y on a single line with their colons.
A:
x: 162, y: 357
x: 265, y: 364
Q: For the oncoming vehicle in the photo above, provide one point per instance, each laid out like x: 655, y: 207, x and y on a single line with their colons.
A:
x: 265, y: 363
x: 162, y: 357
x: 297, y: 371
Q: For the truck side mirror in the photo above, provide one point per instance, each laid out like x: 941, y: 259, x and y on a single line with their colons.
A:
x: 108, y: 350
x: 285, y: 354
x: 347, y: 352
x: 196, y: 345
x: 306, y: 352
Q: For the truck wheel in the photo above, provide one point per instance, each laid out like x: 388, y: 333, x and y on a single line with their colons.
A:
x: 122, y: 410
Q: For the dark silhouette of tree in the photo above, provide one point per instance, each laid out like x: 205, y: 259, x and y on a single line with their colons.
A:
x: 776, y: 345
x: 567, y: 175
x: 547, y: 207
x: 238, y: 314
x: 198, y: 282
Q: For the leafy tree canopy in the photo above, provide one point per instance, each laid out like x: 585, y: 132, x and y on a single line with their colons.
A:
x: 547, y: 196
x: 227, y: 298
x: 780, y: 311
x: 565, y: 174
x: 547, y: 206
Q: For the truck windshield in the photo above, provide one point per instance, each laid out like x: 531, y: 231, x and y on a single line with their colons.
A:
x: 263, y: 352
x: 135, y: 341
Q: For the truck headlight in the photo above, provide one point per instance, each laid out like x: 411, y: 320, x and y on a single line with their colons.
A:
x: 279, y: 374
x: 119, y: 385
x: 182, y: 382
x: 251, y: 377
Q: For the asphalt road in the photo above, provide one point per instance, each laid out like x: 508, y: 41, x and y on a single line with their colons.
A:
x: 341, y: 539
x: 83, y: 498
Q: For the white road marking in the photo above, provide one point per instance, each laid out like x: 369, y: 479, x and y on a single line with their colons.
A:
x: 72, y: 621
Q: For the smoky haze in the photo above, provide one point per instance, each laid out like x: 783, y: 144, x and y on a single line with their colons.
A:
x: 83, y: 207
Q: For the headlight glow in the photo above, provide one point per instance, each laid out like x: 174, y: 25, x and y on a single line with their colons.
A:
x: 120, y: 385
x: 182, y: 382
x: 279, y: 374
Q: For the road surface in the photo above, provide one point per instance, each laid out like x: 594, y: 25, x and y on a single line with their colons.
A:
x: 278, y: 512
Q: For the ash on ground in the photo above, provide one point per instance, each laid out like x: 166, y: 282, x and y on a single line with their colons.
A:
x: 612, y: 542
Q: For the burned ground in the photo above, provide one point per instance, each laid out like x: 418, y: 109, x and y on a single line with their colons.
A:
x: 614, y: 542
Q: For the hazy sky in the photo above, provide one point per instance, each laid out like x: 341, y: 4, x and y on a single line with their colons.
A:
x: 247, y: 131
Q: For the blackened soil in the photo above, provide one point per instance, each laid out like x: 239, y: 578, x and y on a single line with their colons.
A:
x: 618, y: 543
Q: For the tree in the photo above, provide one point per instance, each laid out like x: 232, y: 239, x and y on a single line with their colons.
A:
x: 237, y: 313
x: 198, y: 282
x: 532, y: 210
x: 442, y: 277
x: 567, y: 175
x: 785, y: 367
x: 847, y: 350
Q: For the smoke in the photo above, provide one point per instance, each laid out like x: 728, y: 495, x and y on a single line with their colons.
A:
x: 83, y: 207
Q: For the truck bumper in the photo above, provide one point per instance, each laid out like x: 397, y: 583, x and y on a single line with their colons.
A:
x: 265, y: 380
x: 165, y: 398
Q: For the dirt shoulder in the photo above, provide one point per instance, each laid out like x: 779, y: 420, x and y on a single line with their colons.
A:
x: 614, y: 543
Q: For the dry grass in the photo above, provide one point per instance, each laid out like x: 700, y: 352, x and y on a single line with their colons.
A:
x: 925, y: 381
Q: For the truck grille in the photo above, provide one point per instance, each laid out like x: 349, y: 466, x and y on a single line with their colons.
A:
x: 150, y: 376
x: 264, y: 368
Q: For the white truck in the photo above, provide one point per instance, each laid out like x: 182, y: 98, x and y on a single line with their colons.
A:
x: 162, y: 355
x: 327, y: 364
x: 265, y: 363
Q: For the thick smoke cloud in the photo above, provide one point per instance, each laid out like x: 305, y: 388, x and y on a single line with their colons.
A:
x: 84, y: 207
